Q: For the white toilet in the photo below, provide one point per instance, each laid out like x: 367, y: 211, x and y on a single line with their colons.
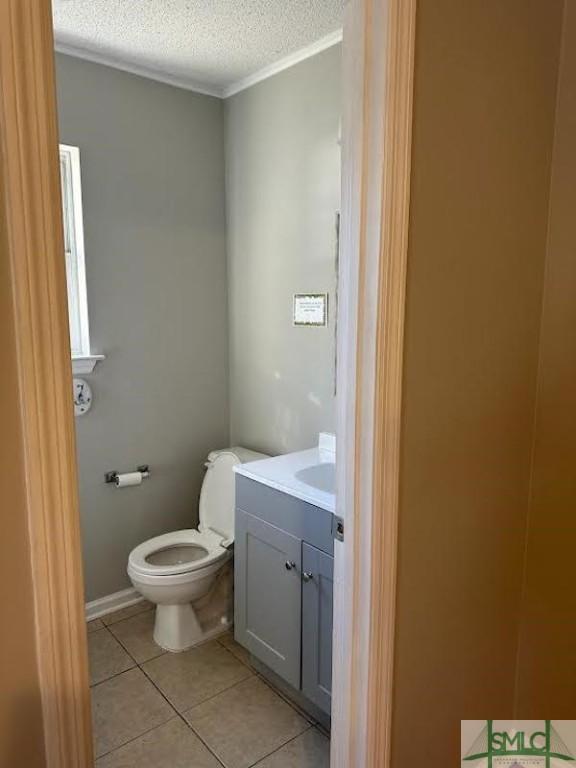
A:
x: 188, y: 574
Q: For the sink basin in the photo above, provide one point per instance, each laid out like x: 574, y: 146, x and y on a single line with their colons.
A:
x: 308, y: 475
x: 319, y: 476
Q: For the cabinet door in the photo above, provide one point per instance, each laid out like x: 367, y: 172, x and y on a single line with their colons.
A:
x: 268, y: 598
x: 317, y: 598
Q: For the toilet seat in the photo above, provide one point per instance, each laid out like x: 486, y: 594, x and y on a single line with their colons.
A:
x: 207, y: 541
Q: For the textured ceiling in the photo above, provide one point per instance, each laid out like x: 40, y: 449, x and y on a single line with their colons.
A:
x: 211, y: 44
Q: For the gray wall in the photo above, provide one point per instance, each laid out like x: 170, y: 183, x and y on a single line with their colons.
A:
x: 283, y: 190
x: 153, y: 185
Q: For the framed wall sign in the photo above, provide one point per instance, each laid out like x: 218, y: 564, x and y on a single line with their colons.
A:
x: 311, y: 309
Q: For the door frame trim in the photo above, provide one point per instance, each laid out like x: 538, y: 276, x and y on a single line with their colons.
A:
x: 376, y: 181
x: 30, y: 177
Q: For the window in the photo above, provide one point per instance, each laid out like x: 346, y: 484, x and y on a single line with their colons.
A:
x: 83, y: 360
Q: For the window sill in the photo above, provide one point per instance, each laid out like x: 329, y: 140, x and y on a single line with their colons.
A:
x: 85, y: 364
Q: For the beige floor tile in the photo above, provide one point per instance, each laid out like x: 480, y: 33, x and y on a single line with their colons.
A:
x: 107, y: 657
x: 245, y: 723
x: 188, y: 678
x: 93, y: 625
x: 125, y: 613
x: 172, y: 745
x: 310, y: 750
x: 135, y: 634
x: 227, y: 640
x: 124, y: 708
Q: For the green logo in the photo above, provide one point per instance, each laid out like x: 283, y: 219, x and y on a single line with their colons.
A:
x: 494, y: 744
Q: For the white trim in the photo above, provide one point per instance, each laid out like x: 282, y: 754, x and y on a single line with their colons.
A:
x: 140, y: 71
x: 376, y: 152
x: 345, y: 620
x: 189, y: 84
x: 111, y: 603
x: 288, y: 61
x: 83, y: 361
x: 71, y: 157
x: 86, y: 364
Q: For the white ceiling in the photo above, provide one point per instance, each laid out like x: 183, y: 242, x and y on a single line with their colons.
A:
x: 214, y: 46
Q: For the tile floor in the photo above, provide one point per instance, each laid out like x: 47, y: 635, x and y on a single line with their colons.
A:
x: 205, y: 708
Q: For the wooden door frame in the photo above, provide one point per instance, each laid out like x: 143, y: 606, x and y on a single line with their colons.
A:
x: 30, y: 177
x: 378, y: 75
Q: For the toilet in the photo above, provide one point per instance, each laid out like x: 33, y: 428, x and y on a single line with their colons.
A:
x: 188, y: 574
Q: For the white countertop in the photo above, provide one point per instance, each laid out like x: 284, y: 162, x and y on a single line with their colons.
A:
x: 281, y: 473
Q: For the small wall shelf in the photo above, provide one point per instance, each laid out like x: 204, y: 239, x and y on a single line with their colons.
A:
x: 86, y: 364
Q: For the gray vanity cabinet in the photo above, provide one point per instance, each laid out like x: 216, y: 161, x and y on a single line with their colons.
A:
x: 317, y: 599
x: 267, y: 590
x: 283, y: 555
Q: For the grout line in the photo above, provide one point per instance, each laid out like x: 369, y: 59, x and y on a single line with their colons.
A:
x: 136, y: 666
x: 299, y: 711
x: 172, y: 707
x: 242, y: 661
x: 145, y: 609
x: 138, y: 663
x: 323, y: 731
x: 181, y: 716
x: 224, y: 690
x: 116, y: 674
x: 200, y: 738
x: 310, y: 721
x: 162, y: 651
x: 140, y: 666
x: 112, y: 677
x: 305, y: 715
x: 265, y: 757
x: 124, y: 744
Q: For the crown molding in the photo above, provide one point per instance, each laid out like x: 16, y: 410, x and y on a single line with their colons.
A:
x: 192, y: 85
x: 288, y: 61
x: 137, y: 69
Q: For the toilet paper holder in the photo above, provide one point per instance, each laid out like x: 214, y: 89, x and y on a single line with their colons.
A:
x: 110, y: 477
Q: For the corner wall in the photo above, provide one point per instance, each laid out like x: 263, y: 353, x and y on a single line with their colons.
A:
x: 484, y: 109
x: 283, y: 192
x: 152, y: 159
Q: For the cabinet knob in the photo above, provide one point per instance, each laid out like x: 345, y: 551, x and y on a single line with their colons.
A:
x: 307, y: 576
x: 290, y: 564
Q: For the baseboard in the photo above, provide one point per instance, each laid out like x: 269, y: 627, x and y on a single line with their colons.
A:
x: 111, y: 603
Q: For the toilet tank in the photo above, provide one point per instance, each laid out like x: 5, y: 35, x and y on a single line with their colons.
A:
x: 217, y: 497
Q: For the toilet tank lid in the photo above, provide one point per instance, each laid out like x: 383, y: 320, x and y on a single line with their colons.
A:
x: 217, y: 497
x: 244, y: 455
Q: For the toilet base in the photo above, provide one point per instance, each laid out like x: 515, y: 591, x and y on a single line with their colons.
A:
x: 184, y: 625
x: 177, y: 627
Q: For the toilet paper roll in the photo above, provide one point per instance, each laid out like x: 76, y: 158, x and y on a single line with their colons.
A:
x: 129, y: 478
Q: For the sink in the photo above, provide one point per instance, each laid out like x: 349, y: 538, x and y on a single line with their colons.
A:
x: 308, y: 475
x: 319, y: 476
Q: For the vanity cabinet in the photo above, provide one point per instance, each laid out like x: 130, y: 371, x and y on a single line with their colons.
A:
x: 268, y: 565
x: 283, y: 557
x: 317, y: 599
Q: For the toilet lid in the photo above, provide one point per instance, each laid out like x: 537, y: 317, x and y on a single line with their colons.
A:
x: 217, y: 497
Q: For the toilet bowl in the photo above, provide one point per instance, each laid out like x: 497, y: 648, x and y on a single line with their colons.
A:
x: 187, y: 574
